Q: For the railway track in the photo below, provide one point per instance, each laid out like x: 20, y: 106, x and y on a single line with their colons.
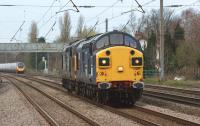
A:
x: 44, y: 113
x: 192, y: 92
x: 173, y: 97
x: 126, y: 112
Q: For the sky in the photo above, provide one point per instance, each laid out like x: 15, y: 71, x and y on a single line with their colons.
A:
x: 44, y: 14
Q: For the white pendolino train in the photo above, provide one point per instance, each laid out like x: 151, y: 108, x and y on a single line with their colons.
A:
x: 17, y: 67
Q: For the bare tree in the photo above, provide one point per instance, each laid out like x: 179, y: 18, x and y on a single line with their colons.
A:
x: 33, y: 32
x: 132, y: 24
x: 191, y: 25
x: 65, y: 28
x: 80, y: 27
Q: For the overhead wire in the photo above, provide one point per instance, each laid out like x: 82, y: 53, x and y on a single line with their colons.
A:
x: 140, y: 6
x: 64, y: 6
x: 125, y: 25
x: 92, y: 6
x: 60, y: 10
x: 51, y: 29
x: 47, y: 11
x: 74, y: 5
x: 17, y: 31
x: 92, y: 28
x: 103, y: 11
x: 122, y: 14
x: 135, y: 9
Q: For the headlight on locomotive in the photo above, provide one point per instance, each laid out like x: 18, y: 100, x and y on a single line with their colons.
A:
x: 104, y: 62
x: 136, y: 61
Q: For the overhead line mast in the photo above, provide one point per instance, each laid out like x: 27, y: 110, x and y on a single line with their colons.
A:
x: 161, y: 42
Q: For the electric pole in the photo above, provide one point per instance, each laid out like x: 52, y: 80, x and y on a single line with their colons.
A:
x: 161, y: 42
x: 106, y: 24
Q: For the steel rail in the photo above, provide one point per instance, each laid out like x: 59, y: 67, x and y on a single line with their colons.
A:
x: 67, y: 107
x: 193, y: 92
x: 165, y: 116
x: 113, y: 110
x: 172, y: 97
x: 44, y: 114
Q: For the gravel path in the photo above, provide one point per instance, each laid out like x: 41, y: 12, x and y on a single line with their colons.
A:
x: 103, y: 117
x: 15, y: 110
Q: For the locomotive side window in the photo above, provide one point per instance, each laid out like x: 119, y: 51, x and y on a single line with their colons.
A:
x: 77, y: 60
x: 116, y: 39
x: 102, y: 42
x: 130, y: 41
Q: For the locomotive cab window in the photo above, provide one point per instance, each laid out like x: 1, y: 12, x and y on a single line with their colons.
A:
x: 116, y: 39
x: 130, y: 41
x: 102, y: 42
x: 20, y: 65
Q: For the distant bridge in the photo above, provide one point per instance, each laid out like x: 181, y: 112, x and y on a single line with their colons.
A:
x: 31, y: 47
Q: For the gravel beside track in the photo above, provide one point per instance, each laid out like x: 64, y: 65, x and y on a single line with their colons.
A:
x: 58, y: 113
x: 15, y: 110
x: 173, y: 97
x: 195, y: 119
x: 103, y: 117
x: 161, y: 120
x: 168, y: 88
x: 170, y: 105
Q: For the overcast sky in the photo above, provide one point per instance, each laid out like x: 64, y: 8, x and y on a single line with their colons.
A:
x: 40, y: 11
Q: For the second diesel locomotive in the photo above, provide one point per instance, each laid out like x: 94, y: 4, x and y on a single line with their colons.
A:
x: 106, y: 67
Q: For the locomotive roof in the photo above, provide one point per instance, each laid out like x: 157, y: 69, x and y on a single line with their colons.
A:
x: 93, y: 39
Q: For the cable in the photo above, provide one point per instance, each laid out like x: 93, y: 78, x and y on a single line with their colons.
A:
x: 125, y: 25
x: 17, y: 31
x: 148, y: 2
x: 77, y: 10
x: 103, y: 11
x: 46, y: 11
x: 123, y: 13
x: 51, y: 29
x: 92, y: 28
x: 137, y: 9
x: 66, y: 10
x: 53, y: 15
x: 91, y: 6
x: 74, y: 5
x: 140, y: 6
x: 63, y: 6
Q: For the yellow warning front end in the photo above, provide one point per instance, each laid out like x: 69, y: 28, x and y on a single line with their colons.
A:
x: 20, y: 70
x: 119, y: 64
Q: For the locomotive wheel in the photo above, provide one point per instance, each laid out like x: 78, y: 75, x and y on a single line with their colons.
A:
x: 69, y: 86
x: 77, y: 89
x: 99, y: 96
x: 84, y: 90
